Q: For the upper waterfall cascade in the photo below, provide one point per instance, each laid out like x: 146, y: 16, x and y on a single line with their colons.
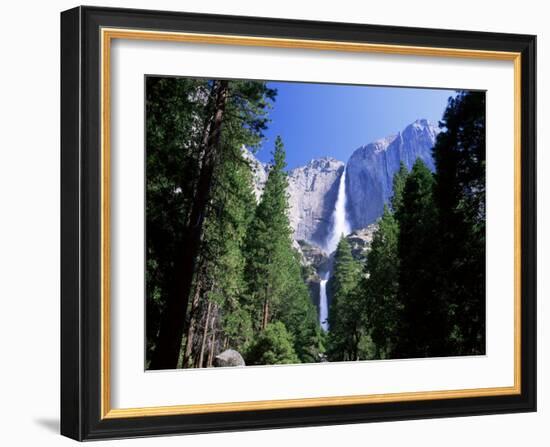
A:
x: 340, y: 224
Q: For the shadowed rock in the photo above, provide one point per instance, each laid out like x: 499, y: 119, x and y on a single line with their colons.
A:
x: 360, y: 241
x: 313, y: 188
x: 370, y: 169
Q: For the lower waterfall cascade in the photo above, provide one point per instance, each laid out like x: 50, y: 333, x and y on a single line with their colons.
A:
x: 323, y: 302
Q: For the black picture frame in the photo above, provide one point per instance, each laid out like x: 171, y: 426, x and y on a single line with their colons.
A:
x: 81, y: 392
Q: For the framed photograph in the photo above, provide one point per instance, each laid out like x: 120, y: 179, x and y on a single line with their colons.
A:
x: 275, y: 223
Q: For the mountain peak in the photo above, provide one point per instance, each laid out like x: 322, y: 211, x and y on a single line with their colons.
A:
x: 422, y: 124
x: 419, y: 126
x: 325, y: 158
x: 322, y: 164
x: 382, y: 143
x: 423, y: 128
x: 371, y: 168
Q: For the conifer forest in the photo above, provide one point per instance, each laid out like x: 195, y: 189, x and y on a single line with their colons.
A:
x: 250, y: 261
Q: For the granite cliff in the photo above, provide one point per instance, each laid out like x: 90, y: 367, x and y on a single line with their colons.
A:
x: 313, y: 188
x: 312, y: 193
x: 371, y: 168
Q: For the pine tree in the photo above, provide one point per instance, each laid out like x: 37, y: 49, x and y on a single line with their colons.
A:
x: 423, y: 328
x: 273, y: 346
x: 175, y: 111
x: 277, y: 291
x: 382, y: 306
x: 346, y: 330
x: 269, y: 242
x: 460, y: 197
x: 298, y: 312
x: 221, y: 280
x: 399, y: 180
x: 234, y: 113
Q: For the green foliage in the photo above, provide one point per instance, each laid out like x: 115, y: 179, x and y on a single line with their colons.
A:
x: 460, y: 198
x: 273, y: 346
x: 277, y: 290
x: 399, y: 180
x: 423, y: 325
x: 299, y: 314
x: 247, y: 112
x: 268, y: 243
x: 180, y: 114
x: 382, y: 307
x: 424, y: 288
x: 346, y: 328
x: 237, y: 327
x: 175, y: 112
x: 232, y: 211
x: 421, y: 292
x: 346, y: 270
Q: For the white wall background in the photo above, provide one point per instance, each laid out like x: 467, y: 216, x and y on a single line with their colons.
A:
x: 29, y: 228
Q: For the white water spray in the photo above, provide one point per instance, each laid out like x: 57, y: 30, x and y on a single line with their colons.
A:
x: 340, y: 224
x: 340, y: 227
x: 323, y: 302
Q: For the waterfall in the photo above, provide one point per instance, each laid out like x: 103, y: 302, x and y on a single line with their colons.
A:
x: 340, y: 224
x: 323, y: 303
x: 340, y: 227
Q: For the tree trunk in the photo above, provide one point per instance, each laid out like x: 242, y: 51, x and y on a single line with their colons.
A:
x: 172, y: 324
x: 192, y: 325
x: 212, y: 343
x: 204, y: 335
x: 265, y: 314
x: 356, y: 345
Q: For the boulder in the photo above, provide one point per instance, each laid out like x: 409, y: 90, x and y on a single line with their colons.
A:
x: 229, y: 357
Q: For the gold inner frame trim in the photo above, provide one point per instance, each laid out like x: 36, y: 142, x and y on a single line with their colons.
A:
x: 107, y: 35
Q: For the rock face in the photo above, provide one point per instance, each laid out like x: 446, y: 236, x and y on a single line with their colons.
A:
x: 312, y: 193
x: 313, y: 188
x: 314, y: 262
x: 361, y: 240
x: 227, y: 358
x: 371, y: 168
x: 260, y: 172
x: 313, y: 256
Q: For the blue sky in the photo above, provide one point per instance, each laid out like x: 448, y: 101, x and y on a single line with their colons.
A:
x: 316, y: 120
